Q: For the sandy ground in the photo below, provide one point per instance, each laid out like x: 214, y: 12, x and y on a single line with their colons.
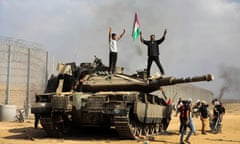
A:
x: 19, y: 133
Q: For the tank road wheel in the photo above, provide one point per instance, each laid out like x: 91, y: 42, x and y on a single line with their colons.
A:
x: 133, y: 128
x: 157, y: 127
x: 151, y: 129
x: 139, y: 131
x: 161, y: 128
x: 146, y: 130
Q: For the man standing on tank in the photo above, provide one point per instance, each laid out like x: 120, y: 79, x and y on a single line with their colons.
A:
x: 153, y: 51
x: 113, y: 38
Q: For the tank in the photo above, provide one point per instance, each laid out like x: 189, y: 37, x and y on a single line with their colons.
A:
x: 88, y: 96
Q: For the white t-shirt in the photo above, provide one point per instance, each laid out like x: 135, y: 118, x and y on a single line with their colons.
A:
x: 113, y: 45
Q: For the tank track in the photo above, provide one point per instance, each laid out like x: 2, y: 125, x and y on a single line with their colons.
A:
x: 123, y: 127
x: 52, y: 129
x: 128, y: 128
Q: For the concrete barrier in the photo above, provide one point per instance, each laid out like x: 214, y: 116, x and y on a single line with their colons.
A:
x: 7, y: 112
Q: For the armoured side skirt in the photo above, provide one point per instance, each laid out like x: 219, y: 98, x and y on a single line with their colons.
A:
x: 149, y: 113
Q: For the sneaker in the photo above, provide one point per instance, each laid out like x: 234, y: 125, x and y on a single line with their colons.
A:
x: 187, y: 141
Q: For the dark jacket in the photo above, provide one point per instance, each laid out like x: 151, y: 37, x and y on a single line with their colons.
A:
x: 204, y: 111
x: 153, y: 49
x: 218, y: 110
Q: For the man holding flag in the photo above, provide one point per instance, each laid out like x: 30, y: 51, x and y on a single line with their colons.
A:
x: 153, y: 51
x: 153, y: 45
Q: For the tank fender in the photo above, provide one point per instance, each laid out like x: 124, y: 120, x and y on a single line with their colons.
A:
x: 41, y: 108
x: 149, y: 113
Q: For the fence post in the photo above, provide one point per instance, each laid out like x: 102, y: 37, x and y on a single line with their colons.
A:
x: 28, y: 84
x: 8, y: 75
x: 46, y: 74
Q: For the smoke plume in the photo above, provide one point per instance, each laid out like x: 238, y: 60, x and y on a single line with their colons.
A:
x: 231, y: 80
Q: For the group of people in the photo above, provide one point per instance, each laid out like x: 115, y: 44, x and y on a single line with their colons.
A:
x: 218, y: 112
x: 153, y: 50
x: 185, y: 108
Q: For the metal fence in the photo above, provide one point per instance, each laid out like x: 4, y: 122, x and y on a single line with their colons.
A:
x: 23, y: 72
x: 186, y: 91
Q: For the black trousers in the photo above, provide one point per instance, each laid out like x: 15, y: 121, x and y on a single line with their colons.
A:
x: 112, y: 61
x: 149, y: 64
x: 37, y: 117
x: 182, y: 125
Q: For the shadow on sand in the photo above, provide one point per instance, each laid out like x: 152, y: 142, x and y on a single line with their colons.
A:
x: 222, y: 140
x: 84, y: 134
x: 26, y: 133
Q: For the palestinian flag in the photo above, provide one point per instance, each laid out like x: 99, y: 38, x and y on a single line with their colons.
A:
x: 136, y: 28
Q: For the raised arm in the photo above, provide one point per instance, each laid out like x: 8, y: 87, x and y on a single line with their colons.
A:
x: 110, y: 33
x: 121, y: 35
x: 142, y: 40
x: 165, y: 32
x: 163, y: 37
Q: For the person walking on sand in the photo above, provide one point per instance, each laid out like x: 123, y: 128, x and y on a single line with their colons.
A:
x: 153, y: 51
x: 191, y: 122
x: 185, y: 114
x: 113, y: 38
x: 204, y: 115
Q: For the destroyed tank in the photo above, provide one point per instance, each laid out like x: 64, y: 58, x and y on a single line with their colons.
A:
x: 88, y: 96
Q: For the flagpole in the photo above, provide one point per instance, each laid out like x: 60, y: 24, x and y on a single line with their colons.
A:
x: 136, y: 31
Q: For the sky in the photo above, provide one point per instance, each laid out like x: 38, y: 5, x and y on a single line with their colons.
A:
x: 203, y: 36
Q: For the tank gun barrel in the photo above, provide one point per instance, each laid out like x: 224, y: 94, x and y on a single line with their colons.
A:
x: 144, y: 86
x: 156, y: 83
x: 173, y: 80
